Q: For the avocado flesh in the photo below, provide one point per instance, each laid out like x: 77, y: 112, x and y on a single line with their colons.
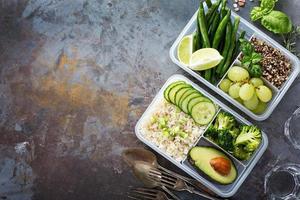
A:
x: 202, y: 156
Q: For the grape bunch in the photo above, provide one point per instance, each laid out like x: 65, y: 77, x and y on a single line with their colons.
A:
x: 251, y: 92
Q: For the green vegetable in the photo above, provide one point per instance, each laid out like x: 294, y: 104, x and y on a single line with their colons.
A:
x: 223, y: 8
x: 224, y: 120
x: 267, y: 5
x: 256, y: 13
x: 232, y: 46
x: 212, y: 9
x: 277, y: 22
x: 211, y: 133
x: 208, y: 3
x: 251, y: 59
x: 207, y: 74
x: 234, y: 132
x: 204, y: 34
x: 255, y: 71
x: 202, y: 25
x: 220, y: 30
x: 225, y: 140
x: 214, y: 27
x: 249, y: 138
x: 226, y: 47
x: 241, y: 154
x: 238, y: 43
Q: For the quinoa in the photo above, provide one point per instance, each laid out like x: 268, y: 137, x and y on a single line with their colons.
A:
x: 276, y: 67
x: 176, y: 146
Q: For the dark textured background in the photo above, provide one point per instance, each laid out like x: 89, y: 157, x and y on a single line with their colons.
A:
x: 75, y: 77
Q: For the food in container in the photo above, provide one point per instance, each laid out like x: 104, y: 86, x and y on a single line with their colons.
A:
x: 221, y: 162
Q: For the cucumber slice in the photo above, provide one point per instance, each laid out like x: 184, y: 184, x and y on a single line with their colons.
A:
x: 185, y: 102
x: 167, y: 90
x: 203, y: 112
x: 174, y: 90
x: 196, y: 100
x: 187, y: 93
x: 181, y: 92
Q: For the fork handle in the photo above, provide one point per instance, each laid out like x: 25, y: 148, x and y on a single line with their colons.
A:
x: 202, y: 194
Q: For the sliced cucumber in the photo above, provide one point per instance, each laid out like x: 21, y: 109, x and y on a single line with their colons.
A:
x: 187, y: 93
x: 185, y: 102
x: 174, y: 90
x: 196, y: 100
x: 167, y: 90
x: 180, y: 93
x: 203, y: 112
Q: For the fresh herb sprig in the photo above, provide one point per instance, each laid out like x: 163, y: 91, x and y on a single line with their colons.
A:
x: 290, y: 40
x: 251, y: 59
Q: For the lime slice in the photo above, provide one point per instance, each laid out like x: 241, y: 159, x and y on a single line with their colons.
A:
x: 205, y: 58
x: 185, y: 49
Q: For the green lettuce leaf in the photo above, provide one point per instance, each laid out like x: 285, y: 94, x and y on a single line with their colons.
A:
x: 256, y: 13
x: 277, y: 22
x: 267, y: 5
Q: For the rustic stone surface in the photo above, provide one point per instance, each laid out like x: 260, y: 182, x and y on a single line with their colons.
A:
x: 76, y: 76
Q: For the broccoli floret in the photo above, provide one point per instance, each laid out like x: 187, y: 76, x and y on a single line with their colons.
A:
x: 234, y: 132
x: 240, y: 153
x: 225, y: 139
x: 211, y: 133
x: 224, y: 120
x: 249, y: 138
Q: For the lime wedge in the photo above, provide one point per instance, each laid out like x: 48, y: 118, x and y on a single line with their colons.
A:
x: 185, y: 49
x: 204, y: 59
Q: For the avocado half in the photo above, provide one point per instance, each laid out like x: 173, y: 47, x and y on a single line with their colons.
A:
x: 201, y: 157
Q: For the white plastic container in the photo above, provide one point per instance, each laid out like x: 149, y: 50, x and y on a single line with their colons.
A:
x: 250, y: 32
x: 243, y: 168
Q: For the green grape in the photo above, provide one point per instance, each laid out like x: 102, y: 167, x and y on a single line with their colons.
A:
x: 238, y: 74
x: 225, y: 84
x: 261, y: 107
x: 252, y: 103
x: 264, y: 93
x: 234, y: 90
x: 246, y: 91
x: 256, y: 82
x: 239, y: 100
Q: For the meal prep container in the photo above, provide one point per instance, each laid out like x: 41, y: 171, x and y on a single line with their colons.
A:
x: 243, y: 168
x: 250, y: 32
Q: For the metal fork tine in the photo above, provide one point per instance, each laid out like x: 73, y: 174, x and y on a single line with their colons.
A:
x: 131, y: 197
x: 136, y: 195
x: 164, y: 176
x: 147, y: 190
x: 145, y: 193
x: 161, y: 181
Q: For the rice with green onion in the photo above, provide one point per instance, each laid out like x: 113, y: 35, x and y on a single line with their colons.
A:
x: 171, y: 130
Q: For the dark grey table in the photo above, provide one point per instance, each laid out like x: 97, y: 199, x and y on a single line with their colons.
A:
x: 75, y: 78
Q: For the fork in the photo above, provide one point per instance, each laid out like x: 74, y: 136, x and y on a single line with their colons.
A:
x: 191, y: 181
x: 147, y: 194
x: 174, y: 183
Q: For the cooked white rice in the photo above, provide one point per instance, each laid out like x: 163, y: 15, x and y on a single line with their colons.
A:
x: 177, y: 147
